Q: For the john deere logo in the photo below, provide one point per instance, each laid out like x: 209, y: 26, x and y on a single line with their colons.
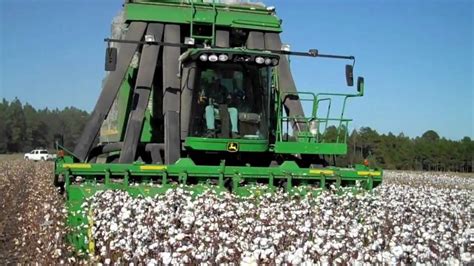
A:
x: 233, y: 147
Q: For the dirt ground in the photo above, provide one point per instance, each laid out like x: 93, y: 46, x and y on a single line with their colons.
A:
x: 32, y: 214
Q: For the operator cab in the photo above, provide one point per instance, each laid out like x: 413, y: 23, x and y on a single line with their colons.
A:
x: 232, y: 93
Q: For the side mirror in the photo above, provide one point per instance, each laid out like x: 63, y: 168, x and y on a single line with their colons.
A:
x: 360, y: 85
x: 349, y: 75
x: 110, y: 59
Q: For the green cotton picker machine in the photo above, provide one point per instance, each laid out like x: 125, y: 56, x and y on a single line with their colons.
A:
x: 200, y: 93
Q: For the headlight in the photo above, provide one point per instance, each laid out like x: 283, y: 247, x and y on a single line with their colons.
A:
x: 213, y: 58
x: 268, y: 61
x: 223, y: 57
x: 275, y: 61
x: 203, y: 57
x: 259, y: 60
x: 149, y: 38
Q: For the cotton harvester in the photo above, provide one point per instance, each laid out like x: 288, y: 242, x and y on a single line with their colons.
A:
x: 200, y: 93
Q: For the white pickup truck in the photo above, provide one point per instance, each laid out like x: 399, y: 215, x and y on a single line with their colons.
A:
x: 39, y: 155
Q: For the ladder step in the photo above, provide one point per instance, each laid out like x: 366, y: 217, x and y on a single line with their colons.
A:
x: 201, y: 23
x: 201, y: 37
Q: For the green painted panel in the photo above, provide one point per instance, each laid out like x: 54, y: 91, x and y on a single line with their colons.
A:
x: 186, y: 166
x: 182, y: 14
x: 310, y: 148
x: 216, y: 144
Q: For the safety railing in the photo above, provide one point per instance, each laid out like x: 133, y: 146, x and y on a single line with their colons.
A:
x: 312, y: 128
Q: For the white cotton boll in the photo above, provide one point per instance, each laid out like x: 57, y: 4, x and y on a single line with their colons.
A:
x: 152, y: 262
x: 180, y: 236
x: 166, y: 258
x: 172, y: 241
x: 467, y: 257
x: 294, y: 259
x: 113, y: 227
x: 396, y: 229
x: 103, y: 250
x: 337, y: 246
x: 331, y: 232
x: 341, y: 234
x: 324, y: 260
x: 441, y: 228
x: 264, y: 242
x: 407, y: 248
x: 322, y: 233
x: 258, y: 254
x: 125, y: 215
x: 223, y: 235
x: 353, y: 233
x: 153, y: 246
x: 248, y: 261
x: 397, y: 251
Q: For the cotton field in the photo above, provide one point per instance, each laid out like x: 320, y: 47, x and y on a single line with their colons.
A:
x: 410, y: 218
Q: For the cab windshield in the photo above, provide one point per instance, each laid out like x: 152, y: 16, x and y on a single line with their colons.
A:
x: 232, y: 101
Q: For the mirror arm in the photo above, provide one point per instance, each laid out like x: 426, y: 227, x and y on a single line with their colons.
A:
x: 350, y: 57
x: 310, y: 53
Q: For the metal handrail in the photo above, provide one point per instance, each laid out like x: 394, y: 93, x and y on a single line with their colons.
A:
x: 316, y: 101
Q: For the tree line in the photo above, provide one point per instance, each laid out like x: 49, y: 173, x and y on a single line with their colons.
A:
x: 430, y: 152
x: 24, y: 128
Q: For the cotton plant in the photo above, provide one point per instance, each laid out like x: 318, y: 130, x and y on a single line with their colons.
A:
x: 410, y: 218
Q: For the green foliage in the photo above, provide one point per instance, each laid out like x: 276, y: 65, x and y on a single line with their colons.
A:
x: 429, y: 152
x: 24, y: 128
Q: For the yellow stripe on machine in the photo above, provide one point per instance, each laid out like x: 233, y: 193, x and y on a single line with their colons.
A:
x: 321, y: 172
x: 368, y: 173
x: 153, y: 167
x: 90, y: 218
x: 77, y: 165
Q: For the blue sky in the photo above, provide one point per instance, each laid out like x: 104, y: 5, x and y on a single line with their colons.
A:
x: 416, y: 56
